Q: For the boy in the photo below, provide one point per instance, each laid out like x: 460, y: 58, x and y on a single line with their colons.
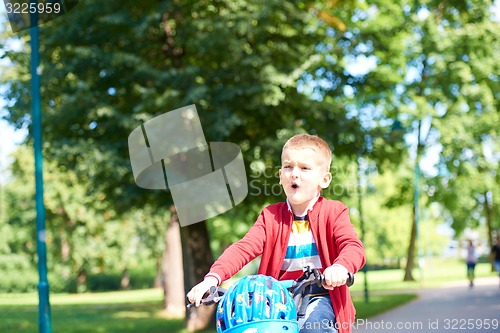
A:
x: 307, y: 229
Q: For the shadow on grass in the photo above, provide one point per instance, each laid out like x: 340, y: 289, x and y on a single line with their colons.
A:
x: 379, y: 303
x: 95, y: 318
x: 139, y: 317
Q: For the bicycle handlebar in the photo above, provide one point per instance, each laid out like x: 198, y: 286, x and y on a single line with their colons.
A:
x: 309, y: 277
x: 350, y: 279
x: 214, y: 296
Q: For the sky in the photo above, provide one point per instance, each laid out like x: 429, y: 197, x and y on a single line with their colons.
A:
x: 9, y: 137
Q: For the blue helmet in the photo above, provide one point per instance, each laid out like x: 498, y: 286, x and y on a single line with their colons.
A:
x: 254, y: 304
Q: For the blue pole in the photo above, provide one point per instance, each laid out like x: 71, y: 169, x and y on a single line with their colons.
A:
x: 362, y: 225
x: 44, y: 322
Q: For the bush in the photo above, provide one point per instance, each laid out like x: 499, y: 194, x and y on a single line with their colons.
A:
x: 142, y: 278
x: 17, y: 274
x: 62, y: 279
x: 139, y: 279
x: 103, y: 282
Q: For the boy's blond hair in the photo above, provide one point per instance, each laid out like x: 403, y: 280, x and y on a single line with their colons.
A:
x: 313, y: 142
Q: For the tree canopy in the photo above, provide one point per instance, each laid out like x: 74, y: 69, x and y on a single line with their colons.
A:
x: 386, y: 83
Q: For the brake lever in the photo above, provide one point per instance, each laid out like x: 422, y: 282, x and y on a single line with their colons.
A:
x: 318, y: 276
x: 214, y: 296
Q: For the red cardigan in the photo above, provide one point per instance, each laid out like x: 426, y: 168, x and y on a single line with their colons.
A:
x: 335, y: 238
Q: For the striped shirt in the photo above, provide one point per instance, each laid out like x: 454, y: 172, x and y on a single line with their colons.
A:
x: 301, y: 251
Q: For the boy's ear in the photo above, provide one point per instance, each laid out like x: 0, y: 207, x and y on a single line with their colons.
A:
x: 325, y: 182
x: 279, y: 172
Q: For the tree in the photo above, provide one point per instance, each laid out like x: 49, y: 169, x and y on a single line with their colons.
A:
x: 84, y: 235
x: 429, y: 60
x: 452, y: 79
x: 108, y: 67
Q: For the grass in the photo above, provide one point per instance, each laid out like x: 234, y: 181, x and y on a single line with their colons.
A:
x: 435, y: 273
x: 379, y: 303
x: 122, y: 312
x: 140, y: 310
x: 138, y: 317
x: 130, y: 311
x: 117, y: 297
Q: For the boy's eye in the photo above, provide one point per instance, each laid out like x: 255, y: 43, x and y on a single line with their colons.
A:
x: 287, y: 167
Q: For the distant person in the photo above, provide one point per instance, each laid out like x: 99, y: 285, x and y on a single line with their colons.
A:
x: 495, y: 255
x: 471, y: 262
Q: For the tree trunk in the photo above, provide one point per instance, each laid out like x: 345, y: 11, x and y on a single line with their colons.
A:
x: 412, y: 247
x: 488, y: 207
x: 197, y: 261
x: 81, y: 281
x: 158, y: 283
x: 172, y: 270
x: 125, y: 280
x: 65, y: 248
x: 410, y: 261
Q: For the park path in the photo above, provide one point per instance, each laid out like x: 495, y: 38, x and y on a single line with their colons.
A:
x: 448, y: 309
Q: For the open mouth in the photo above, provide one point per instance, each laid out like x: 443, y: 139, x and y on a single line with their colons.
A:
x: 295, y: 186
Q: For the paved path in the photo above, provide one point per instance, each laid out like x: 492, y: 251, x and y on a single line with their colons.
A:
x: 455, y: 308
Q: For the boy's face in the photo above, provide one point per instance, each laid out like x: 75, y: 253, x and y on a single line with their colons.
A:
x: 303, y: 174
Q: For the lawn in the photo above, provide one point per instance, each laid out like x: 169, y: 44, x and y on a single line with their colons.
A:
x: 379, y: 303
x: 104, y: 313
x: 105, y: 318
x: 435, y: 272
x: 139, y: 311
x: 128, y: 311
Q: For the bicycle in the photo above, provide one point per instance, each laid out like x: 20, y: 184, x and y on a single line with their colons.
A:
x: 258, y: 303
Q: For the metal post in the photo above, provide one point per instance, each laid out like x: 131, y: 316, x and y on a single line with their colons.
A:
x: 416, y: 198
x: 44, y: 321
x: 362, y: 225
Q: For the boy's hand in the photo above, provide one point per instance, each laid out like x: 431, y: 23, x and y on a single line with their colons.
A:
x: 196, y: 293
x: 335, y: 276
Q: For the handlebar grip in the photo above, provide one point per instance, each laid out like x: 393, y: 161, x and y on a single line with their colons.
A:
x: 349, y: 282
x: 350, y: 279
x: 214, y: 295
